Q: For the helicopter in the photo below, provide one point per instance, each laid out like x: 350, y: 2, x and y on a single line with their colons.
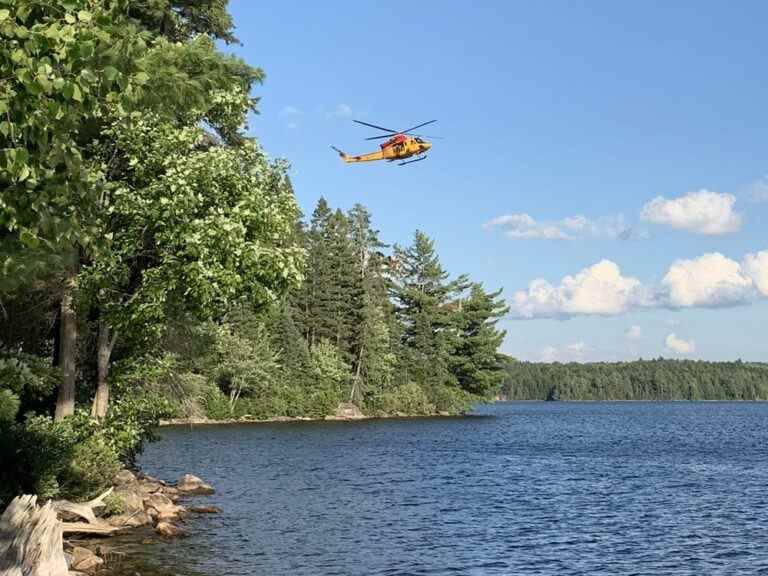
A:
x: 401, y: 145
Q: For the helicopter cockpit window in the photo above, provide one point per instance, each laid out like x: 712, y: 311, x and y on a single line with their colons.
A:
x: 419, y: 140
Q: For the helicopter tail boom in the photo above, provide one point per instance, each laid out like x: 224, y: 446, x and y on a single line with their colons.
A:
x: 361, y: 158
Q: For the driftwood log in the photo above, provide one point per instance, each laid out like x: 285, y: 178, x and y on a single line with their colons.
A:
x: 65, y: 509
x: 31, y: 541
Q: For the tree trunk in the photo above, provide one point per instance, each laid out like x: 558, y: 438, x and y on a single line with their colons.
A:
x: 65, y: 403
x: 104, y: 345
x: 31, y: 540
x: 355, y: 391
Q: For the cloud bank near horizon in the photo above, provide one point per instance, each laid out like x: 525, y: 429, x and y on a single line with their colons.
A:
x: 522, y: 226
x: 709, y: 281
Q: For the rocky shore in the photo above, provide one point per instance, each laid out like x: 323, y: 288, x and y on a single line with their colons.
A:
x: 48, y: 540
x: 345, y: 412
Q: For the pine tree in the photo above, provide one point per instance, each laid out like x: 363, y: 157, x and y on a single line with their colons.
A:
x: 475, y: 360
x: 421, y: 292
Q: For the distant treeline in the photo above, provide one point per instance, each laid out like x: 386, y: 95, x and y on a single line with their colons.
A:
x: 659, y: 379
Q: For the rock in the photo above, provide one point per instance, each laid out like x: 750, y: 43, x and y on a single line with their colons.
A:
x: 348, y: 411
x: 205, y: 509
x: 149, y: 487
x: 189, y: 484
x: 169, y: 512
x: 443, y: 413
x: 168, y: 530
x: 124, y: 477
x: 130, y: 520
x: 84, y: 560
x: 132, y: 498
x: 147, y: 478
x: 157, y: 501
x: 171, y: 492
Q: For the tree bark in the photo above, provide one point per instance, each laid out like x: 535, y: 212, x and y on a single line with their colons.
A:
x: 31, y: 540
x: 65, y: 403
x: 104, y: 344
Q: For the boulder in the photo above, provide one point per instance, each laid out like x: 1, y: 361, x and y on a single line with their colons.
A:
x: 130, y: 520
x: 168, y: 530
x: 132, y: 498
x: 171, y: 492
x: 169, y: 512
x: 205, y: 509
x: 157, y: 501
x: 190, y: 484
x: 124, y: 477
x: 348, y: 411
x: 147, y: 478
x: 84, y: 560
x: 149, y: 487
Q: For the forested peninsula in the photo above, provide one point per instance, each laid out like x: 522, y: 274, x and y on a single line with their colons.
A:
x: 660, y: 379
x: 155, y: 263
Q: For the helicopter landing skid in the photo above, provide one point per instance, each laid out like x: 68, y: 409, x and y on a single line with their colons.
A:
x: 412, y: 161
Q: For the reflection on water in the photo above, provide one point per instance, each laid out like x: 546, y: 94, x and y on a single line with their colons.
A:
x: 530, y: 488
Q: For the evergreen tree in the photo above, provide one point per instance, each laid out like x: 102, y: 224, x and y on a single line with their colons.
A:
x: 421, y: 292
x: 475, y: 360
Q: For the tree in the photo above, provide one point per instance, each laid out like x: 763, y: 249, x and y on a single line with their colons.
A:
x: 475, y: 360
x: 190, y: 228
x: 423, y: 304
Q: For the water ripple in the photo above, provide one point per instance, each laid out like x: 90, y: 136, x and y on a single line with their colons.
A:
x: 646, y: 489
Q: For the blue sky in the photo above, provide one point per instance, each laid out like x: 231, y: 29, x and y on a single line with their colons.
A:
x: 606, y: 152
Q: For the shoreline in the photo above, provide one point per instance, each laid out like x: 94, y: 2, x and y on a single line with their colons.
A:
x: 294, y: 419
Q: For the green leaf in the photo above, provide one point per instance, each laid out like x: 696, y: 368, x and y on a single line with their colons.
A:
x: 29, y: 239
x: 84, y: 16
x: 4, y: 14
x: 111, y: 73
x: 70, y: 18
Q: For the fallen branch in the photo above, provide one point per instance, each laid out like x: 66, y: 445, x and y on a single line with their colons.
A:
x: 98, y: 529
x: 82, y: 509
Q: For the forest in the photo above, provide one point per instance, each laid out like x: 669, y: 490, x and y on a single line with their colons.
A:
x: 659, y: 379
x: 154, y: 262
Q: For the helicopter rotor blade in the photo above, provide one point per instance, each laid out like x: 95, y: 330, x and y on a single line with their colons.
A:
x: 374, y: 126
x: 430, y: 137
x: 417, y: 126
x: 379, y: 137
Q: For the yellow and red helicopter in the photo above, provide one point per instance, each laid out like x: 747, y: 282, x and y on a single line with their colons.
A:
x: 401, y: 145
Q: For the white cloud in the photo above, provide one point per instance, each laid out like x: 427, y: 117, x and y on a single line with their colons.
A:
x: 678, y: 345
x: 523, y: 226
x: 633, y: 333
x: 756, y: 267
x: 702, y: 212
x: 291, y: 112
x: 597, y: 290
x: 575, y: 352
x: 341, y: 111
x: 758, y: 191
x: 710, y: 280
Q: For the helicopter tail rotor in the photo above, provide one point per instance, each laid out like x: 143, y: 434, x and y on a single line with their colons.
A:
x: 343, y: 155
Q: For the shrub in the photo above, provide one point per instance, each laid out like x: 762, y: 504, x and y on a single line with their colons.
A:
x: 9, y: 406
x: 92, y: 466
x: 215, y: 404
x: 114, y: 505
x: 451, y: 399
x: 407, y: 399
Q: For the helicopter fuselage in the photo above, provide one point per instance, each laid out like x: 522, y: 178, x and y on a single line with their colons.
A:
x: 394, y: 149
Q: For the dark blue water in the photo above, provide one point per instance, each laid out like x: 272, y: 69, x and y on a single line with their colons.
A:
x: 527, y: 488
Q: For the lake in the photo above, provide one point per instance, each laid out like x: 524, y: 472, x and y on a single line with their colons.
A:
x: 530, y: 488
